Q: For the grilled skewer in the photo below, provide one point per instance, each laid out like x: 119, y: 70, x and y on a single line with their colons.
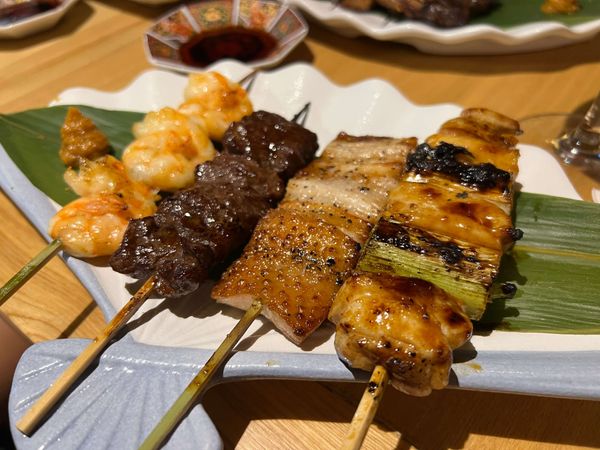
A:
x: 193, y: 232
x: 301, y: 252
x: 392, y: 315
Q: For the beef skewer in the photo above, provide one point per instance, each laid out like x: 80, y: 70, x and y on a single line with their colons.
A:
x: 391, y: 316
x: 93, y: 224
x: 192, y: 232
x: 301, y: 252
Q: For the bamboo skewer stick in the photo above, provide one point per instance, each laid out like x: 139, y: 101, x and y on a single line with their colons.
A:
x: 28, y: 270
x: 30, y: 421
x: 200, y: 382
x: 363, y: 417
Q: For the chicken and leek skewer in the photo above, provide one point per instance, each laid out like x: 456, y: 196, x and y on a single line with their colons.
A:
x: 429, y: 265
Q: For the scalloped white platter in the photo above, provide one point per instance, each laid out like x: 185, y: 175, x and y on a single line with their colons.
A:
x: 474, y: 39
x: 117, y: 403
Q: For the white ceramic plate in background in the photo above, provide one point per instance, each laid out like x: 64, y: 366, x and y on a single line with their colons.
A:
x: 36, y: 23
x: 471, y: 39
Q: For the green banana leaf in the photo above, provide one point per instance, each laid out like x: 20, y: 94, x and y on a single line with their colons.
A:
x: 511, y: 13
x: 556, y: 266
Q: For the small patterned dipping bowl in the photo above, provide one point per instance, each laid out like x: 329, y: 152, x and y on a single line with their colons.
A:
x: 259, y: 33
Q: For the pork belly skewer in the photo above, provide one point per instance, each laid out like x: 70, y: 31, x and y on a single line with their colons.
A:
x: 196, y: 229
x: 445, y: 226
x: 301, y: 252
x: 169, y: 144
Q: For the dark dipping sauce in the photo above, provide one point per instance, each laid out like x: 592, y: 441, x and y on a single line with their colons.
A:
x: 243, y: 44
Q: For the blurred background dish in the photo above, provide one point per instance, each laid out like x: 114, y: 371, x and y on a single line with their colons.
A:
x: 29, y: 19
x: 515, y: 27
x: 154, y: 2
x: 259, y: 33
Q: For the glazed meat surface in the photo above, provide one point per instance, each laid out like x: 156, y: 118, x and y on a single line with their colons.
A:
x: 293, y: 264
x: 272, y: 141
x: 464, y: 218
x: 409, y: 326
x: 446, y: 222
x: 301, y: 253
x: 196, y: 229
x: 198, y: 226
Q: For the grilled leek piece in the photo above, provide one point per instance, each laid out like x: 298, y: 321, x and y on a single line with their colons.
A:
x: 461, y: 269
x: 449, y: 221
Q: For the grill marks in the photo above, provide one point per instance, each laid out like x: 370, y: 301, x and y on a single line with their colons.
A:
x: 196, y: 229
x: 446, y: 159
x: 386, y: 320
x: 443, y: 232
x: 301, y: 253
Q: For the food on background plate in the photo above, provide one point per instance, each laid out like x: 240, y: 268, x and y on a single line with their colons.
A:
x: 451, y: 13
x: 12, y: 11
x: 560, y: 6
x: 441, y: 13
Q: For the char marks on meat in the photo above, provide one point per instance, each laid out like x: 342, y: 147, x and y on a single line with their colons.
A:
x: 302, y: 252
x: 197, y: 228
x: 433, y: 254
x: 272, y: 141
x: 407, y: 325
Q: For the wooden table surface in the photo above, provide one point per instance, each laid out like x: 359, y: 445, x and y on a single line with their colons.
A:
x: 99, y: 45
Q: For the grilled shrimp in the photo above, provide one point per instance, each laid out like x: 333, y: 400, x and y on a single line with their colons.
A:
x: 107, y: 175
x: 91, y: 226
x: 168, y: 147
x: 216, y: 101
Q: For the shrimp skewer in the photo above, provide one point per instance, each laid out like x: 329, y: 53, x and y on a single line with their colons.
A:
x: 170, y: 143
x: 168, y: 147
x: 81, y: 141
x: 102, y: 180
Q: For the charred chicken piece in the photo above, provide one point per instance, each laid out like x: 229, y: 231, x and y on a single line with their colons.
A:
x: 409, y: 326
